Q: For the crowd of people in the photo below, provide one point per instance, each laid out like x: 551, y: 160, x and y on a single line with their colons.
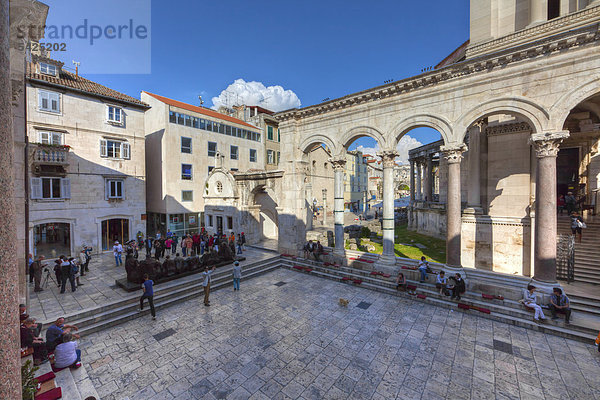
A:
x: 66, y: 270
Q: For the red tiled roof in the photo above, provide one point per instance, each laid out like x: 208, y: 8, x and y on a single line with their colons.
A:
x: 79, y: 83
x: 200, y: 110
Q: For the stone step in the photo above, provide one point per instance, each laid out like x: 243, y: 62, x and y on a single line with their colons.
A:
x: 508, y: 308
x: 195, y: 291
x: 65, y: 380
x: 84, y: 384
x: 160, y: 289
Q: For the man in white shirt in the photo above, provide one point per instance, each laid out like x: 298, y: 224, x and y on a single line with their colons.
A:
x: 206, y: 283
x: 117, y: 250
x: 441, y: 283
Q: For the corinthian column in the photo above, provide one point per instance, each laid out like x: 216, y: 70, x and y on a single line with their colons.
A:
x: 546, y: 147
x: 387, y: 260
x: 338, y: 204
x: 453, y: 155
x: 419, y: 177
x: 428, y: 178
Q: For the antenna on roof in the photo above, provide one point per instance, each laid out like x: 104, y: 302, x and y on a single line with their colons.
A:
x: 200, y: 98
x: 77, y: 64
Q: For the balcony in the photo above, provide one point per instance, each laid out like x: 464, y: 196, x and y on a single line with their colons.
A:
x: 43, y: 154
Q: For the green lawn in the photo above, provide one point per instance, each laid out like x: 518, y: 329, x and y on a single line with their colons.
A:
x: 435, y: 249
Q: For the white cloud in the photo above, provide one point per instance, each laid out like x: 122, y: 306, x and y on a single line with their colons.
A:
x: 406, y: 143
x: 274, y: 98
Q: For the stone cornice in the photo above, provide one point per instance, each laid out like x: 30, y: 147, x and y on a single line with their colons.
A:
x: 554, y: 26
x: 506, y: 129
x: 553, y: 44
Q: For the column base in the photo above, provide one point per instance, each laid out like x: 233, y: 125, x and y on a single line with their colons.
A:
x: 450, y: 270
x: 387, y: 264
x: 339, y: 253
x: 473, y: 210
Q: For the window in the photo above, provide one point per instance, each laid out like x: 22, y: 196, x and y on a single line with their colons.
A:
x: 49, y: 101
x: 187, y: 195
x: 48, y: 69
x: 172, y: 117
x: 233, y: 152
x: 186, y: 172
x: 278, y: 135
x: 212, y: 149
x: 219, y: 187
x: 50, y: 188
x: 270, y: 133
x: 270, y: 157
x: 51, y: 138
x: 186, y: 145
x: 114, y: 149
x: 230, y: 223
x: 278, y: 155
x: 210, y: 220
x: 115, y: 115
x: 252, y: 155
x: 114, y: 189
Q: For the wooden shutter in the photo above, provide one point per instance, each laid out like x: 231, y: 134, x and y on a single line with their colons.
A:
x: 103, y: 148
x: 36, y: 188
x: 65, y: 188
x: 126, y: 151
x: 55, y: 102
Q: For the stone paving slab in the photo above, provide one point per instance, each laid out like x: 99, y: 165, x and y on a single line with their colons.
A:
x: 98, y: 288
x: 296, y: 342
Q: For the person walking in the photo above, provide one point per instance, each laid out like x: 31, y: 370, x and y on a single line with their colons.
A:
x: 148, y: 288
x: 75, y: 270
x: 30, y: 265
x: 37, y: 268
x: 117, y: 251
x: 82, y: 259
x: 243, y: 241
x: 87, y: 250
x: 577, y: 225
x: 570, y: 202
x: 237, y: 275
x: 66, y: 274
x: 206, y: 283
x: 174, y: 245
x: 239, y: 244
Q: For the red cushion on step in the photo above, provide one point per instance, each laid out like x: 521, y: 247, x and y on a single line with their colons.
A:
x: 352, y: 258
x: 499, y: 297
x: 345, y: 278
x: 308, y: 270
x: 483, y: 310
x: 326, y: 263
x: 421, y: 296
x: 57, y: 369
x: 51, y: 394
x: 357, y: 281
x: 487, y: 296
x: 385, y: 275
x: 374, y: 273
x: 411, y: 287
x: 463, y: 306
x: 324, y: 253
x: 286, y: 255
x: 298, y: 267
x: 46, y: 377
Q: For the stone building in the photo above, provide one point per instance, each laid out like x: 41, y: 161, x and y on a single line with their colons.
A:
x: 374, y: 181
x: 319, y: 186
x: 355, y: 182
x: 86, y: 162
x: 521, y: 90
x: 182, y: 141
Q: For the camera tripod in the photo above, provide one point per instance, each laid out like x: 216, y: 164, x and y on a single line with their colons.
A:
x: 46, y: 278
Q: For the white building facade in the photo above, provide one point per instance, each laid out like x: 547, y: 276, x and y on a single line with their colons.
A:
x: 86, y: 162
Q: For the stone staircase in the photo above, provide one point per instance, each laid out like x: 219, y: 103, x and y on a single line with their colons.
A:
x: 587, y: 253
x: 584, y: 325
x: 97, y: 318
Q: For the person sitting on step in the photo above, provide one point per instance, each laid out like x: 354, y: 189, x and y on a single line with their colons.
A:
x: 423, y: 269
x: 67, y: 354
x: 441, y: 283
x: 559, y: 303
x: 401, y: 281
x: 529, y: 300
x: 459, y: 286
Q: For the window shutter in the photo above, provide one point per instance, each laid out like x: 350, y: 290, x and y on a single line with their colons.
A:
x: 126, y: 153
x: 36, y: 188
x: 55, y: 102
x: 122, y: 183
x: 103, y: 148
x: 106, y: 189
x: 65, y: 188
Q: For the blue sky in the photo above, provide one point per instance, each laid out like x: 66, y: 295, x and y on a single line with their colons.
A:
x: 318, y: 49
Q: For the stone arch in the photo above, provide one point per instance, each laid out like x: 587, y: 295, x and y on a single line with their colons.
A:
x: 361, y: 131
x: 439, y: 123
x: 317, y: 139
x: 563, y: 106
x: 535, y: 114
x: 267, y: 214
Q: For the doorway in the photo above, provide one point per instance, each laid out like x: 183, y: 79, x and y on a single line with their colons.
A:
x: 114, y: 230
x: 219, y: 225
x: 52, y: 240
x: 567, y: 171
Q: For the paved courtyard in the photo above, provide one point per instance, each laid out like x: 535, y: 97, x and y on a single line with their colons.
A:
x: 284, y: 336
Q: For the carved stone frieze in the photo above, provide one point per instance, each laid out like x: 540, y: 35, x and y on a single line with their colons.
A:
x: 505, y: 129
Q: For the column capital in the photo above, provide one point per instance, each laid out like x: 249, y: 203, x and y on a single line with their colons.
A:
x: 453, y: 152
x: 547, y: 144
x: 388, y: 158
x: 338, y: 163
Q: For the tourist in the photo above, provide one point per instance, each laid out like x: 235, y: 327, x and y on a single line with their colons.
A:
x: 57, y: 271
x: 308, y: 249
x: 423, y: 269
x: 66, y: 354
x: 75, y: 270
x: 187, y: 245
x: 140, y: 238
x: 196, y: 243
x: 560, y: 204
x: 40, y: 353
x: 117, y: 251
x: 66, y: 274
x: 243, y: 241
x: 148, y: 288
x: 82, y: 260
x: 157, y: 248
x: 55, y: 332
x: 529, y: 300
x: 30, y: 269
x: 168, y: 244
x: 570, y: 202
x: 237, y: 275
x: 36, y: 328
x: 559, y: 302
x: 169, y: 233
x: 174, y: 245
x: 239, y: 244
x: 206, y: 283
x: 149, y: 245
x: 87, y: 250
x: 37, y: 268
x: 317, y: 251
x: 458, y: 286
x: 441, y: 283
x: 577, y: 225
x: 401, y: 281
x: 211, y: 242
x: 157, y: 235
x: 179, y: 263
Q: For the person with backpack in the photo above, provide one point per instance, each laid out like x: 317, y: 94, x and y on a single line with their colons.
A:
x: 577, y: 225
x: 75, y: 268
x: 237, y: 275
x: 66, y: 274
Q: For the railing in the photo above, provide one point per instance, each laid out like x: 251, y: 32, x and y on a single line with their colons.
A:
x: 50, y: 155
x: 565, y: 257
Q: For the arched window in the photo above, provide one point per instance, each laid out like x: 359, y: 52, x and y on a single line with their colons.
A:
x: 219, y: 187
